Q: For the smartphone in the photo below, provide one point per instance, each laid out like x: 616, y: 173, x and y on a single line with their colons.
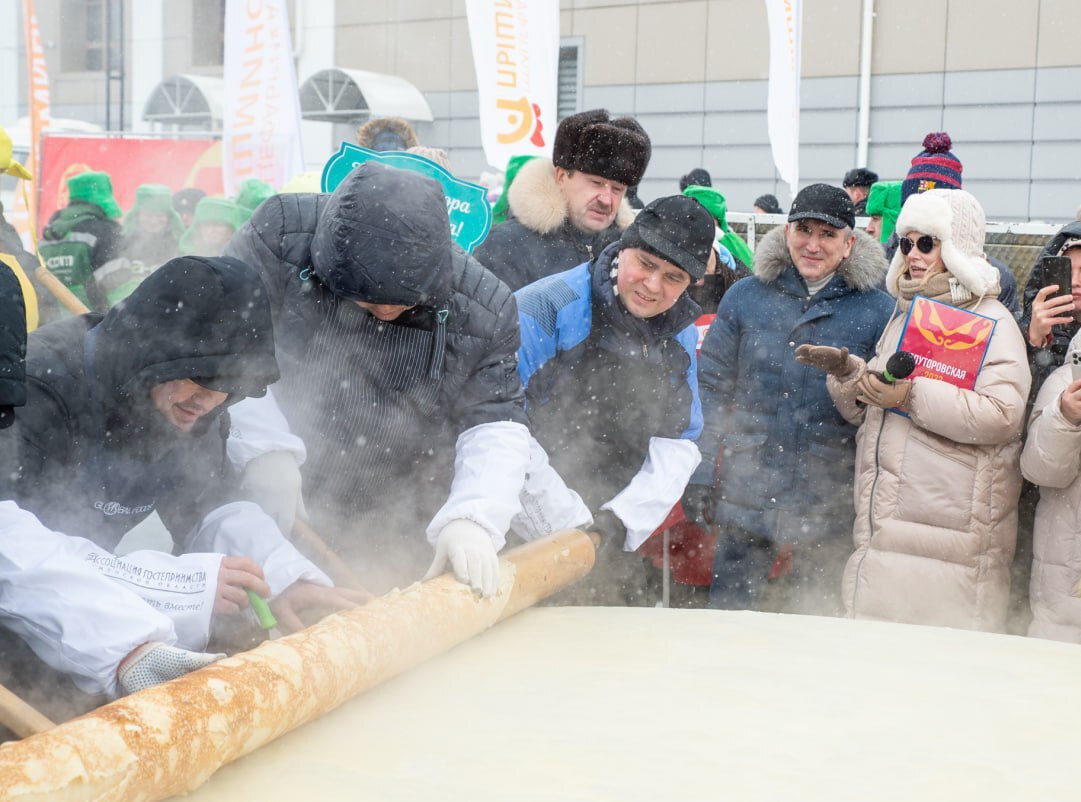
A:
x: 1075, y: 364
x: 1057, y: 270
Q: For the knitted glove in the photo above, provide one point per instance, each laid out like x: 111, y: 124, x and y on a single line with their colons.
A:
x: 834, y: 361
x: 875, y: 392
x: 698, y: 504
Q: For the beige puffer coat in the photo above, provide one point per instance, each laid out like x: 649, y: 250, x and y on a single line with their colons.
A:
x: 1052, y: 460
x: 936, y: 492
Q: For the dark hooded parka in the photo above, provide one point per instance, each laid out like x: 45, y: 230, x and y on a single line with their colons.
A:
x: 95, y: 455
x: 380, y: 402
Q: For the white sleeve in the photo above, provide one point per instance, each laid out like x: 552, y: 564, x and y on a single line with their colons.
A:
x: 258, y: 426
x: 548, y: 505
x: 490, y: 462
x: 55, y: 597
x: 646, y: 501
x: 242, y: 529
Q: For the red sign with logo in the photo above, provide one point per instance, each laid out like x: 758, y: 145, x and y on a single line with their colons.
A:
x: 129, y: 161
x: 949, y: 343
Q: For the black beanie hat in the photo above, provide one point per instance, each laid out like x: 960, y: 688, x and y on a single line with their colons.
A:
x: 768, y: 204
x: 698, y: 177
x: 678, y: 229
x: 859, y: 177
x: 591, y: 142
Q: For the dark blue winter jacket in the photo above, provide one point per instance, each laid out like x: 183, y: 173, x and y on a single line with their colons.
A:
x: 599, y: 382
x: 788, y: 458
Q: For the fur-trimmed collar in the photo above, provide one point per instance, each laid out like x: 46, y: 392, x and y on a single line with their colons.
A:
x: 535, y: 200
x: 863, y: 270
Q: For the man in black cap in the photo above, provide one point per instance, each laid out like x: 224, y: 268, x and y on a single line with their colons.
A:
x: 609, y: 366
x: 857, y: 184
x: 782, y: 496
x: 564, y: 211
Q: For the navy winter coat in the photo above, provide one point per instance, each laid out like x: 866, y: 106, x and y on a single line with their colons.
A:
x: 788, y: 456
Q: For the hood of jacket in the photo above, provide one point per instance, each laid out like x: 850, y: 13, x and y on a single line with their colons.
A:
x: 70, y: 216
x: 384, y: 238
x: 206, y: 319
x: 537, y: 203
x: 1070, y: 231
x: 864, y: 269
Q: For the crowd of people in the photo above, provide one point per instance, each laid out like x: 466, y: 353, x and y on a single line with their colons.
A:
x: 333, y: 361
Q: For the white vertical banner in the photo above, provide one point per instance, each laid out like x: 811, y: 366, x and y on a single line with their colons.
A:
x: 516, y: 56
x: 785, y: 19
x: 261, y: 125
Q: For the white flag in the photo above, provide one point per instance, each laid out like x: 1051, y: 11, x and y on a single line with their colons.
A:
x: 261, y: 129
x: 785, y: 32
x: 516, y: 56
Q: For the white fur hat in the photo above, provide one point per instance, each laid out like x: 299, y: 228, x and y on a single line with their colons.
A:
x: 955, y: 218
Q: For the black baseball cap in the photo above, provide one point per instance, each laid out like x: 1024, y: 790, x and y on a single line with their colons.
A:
x: 823, y: 202
x: 676, y: 228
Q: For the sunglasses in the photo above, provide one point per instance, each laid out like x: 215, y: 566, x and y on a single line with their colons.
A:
x: 926, y: 244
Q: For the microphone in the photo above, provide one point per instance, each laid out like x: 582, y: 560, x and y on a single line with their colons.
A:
x: 899, y: 366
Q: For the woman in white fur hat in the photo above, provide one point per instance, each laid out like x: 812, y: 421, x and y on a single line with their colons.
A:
x: 936, y: 491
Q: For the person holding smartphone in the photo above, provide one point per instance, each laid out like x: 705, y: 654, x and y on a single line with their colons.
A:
x: 1052, y: 313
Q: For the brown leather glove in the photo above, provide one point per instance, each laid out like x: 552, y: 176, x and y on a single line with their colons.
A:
x: 835, y: 361
x: 875, y: 392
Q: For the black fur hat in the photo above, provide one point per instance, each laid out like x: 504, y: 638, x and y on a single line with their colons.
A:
x: 593, y: 143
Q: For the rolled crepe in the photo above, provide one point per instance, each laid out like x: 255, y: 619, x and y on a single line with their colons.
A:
x: 169, y: 739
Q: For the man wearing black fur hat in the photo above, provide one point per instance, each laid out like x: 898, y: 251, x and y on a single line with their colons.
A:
x: 608, y: 362
x: 398, y: 374
x: 564, y: 211
x: 124, y: 417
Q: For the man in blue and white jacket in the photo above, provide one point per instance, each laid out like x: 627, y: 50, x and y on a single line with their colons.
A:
x: 609, y: 369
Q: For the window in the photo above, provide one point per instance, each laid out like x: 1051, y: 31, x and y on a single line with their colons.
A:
x: 83, y: 29
x: 569, y: 91
x: 208, y: 33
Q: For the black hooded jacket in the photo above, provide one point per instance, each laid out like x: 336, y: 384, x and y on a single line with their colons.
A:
x: 95, y: 456
x: 373, y: 399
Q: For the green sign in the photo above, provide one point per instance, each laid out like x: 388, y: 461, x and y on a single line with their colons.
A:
x: 467, y: 203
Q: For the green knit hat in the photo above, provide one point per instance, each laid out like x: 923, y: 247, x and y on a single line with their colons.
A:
x: 252, y: 192
x: 885, y: 199
x: 95, y: 188
x: 212, y: 210
x: 153, y: 198
x: 717, y: 206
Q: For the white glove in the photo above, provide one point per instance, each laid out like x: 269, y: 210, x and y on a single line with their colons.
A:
x: 272, y: 480
x: 471, y: 554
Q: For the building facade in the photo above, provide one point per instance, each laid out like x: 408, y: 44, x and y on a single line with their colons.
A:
x: 1003, y: 77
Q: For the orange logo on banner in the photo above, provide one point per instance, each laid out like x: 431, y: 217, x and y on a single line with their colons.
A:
x: 525, y: 116
x: 956, y: 335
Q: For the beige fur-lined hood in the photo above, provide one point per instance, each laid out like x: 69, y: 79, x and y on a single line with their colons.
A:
x: 535, y: 200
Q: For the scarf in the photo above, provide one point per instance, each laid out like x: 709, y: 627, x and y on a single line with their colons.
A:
x: 936, y: 286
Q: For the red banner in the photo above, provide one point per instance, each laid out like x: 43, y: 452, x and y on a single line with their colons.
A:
x: 949, y: 343
x: 129, y: 161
